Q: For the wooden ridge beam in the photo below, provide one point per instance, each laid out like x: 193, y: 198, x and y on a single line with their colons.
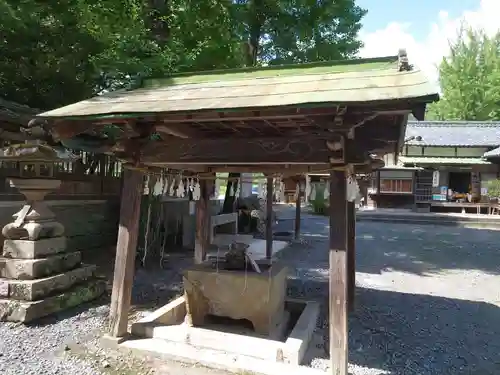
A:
x: 258, y: 151
x: 238, y: 151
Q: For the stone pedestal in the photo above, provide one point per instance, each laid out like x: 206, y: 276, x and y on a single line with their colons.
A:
x: 38, y: 276
x: 259, y: 298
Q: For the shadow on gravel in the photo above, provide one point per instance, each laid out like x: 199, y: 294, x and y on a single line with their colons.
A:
x: 408, y: 334
x: 412, y: 248
x: 425, y: 249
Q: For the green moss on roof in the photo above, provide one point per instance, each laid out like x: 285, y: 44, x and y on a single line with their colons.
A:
x: 328, y: 67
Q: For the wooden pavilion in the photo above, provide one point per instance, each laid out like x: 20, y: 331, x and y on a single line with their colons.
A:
x: 286, y: 120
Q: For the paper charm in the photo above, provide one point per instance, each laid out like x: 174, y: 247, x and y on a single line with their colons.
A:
x: 180, y: 189
x: 263, y: 190
x: 236, y: 188
x: 277, y: 190
x: 196, y: 191
x: 352, y: 189
x: 326, y: 193
x: 313, y: 193
x: 171, y: 189
x: 308, y: 188
x: 216, y: 188
x: 297, y: 191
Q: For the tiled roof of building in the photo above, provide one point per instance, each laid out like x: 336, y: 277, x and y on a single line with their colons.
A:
x: 427, y: 160
x: 495, y: 153
x: 453, y: 133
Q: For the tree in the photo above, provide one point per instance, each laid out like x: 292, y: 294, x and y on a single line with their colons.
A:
x: 297, y: 31
x: 58, y: 52
x: 470, y: 79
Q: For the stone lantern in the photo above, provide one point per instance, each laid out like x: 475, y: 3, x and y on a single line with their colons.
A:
x: 35, y: 180
x: 38, y: 275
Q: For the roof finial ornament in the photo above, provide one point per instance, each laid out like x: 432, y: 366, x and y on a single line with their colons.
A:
x: 403, y: 63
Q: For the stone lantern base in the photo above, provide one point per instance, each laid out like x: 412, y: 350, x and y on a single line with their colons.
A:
x: 38, y: 275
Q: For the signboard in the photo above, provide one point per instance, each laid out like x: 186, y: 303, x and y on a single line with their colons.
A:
x: 476, y: 184
x: 438, y: 197
x: 435, y: 179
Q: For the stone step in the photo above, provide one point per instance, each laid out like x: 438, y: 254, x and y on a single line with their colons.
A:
x: 25, y: 311
x: 29, y: 269
x: 27, y: 249
x: 32, y: 290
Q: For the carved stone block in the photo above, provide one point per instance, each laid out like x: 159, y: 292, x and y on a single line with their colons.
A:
x: 31, y: 290
x: 26, y: 249
x: 257, y: 297
x: 28, y: 269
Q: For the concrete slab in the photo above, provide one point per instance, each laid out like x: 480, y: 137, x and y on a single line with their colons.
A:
x: 256, y: 249
x: 297, y: 342
x: 26, y: 311
x: 29, y: 269
x: 170, y: 314
x: 237, y: 364
x: 26, y: 249
x: 31, y: 290
x: 289, y: 350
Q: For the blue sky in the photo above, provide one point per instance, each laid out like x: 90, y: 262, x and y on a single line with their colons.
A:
x: 420, y: 13
x: 423, y: 27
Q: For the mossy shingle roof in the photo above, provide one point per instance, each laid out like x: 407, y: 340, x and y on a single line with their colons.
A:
x: 351, y: 81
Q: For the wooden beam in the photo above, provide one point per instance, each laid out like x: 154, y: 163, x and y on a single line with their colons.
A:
x: 237, y: 151
x: 351, y: 254
x: 338, y: 273
x: 269, y: 113
x: 257, y: 151
x: 125, y: 251
x: 202, y: 240
x: 269, y: 219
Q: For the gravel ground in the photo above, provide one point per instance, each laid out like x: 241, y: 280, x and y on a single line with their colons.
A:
x: 427, y: 299
x: 68, y: 343
x: 427, y: 303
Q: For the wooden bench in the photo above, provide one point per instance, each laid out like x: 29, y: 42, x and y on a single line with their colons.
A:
x: 463, y: 205
x: 223, y: 219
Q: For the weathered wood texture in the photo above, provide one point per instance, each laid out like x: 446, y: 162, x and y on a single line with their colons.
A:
x: 351, y: 254
x: 202, y: 240
x: 239, y: 151
x: 269, y: 218
x: 338, y: 273
x: 125, y: 251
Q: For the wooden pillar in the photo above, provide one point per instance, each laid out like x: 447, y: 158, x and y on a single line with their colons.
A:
x: 126, y: 247
x: 297, y: 213
x: 202, y: 212
x: 338, y: 273
x: 269, y: 219
x: 351, y: 254
x: 377, y: 195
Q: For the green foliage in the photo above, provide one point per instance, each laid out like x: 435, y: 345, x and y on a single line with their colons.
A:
x: 319, y: 204
x: 494, y: 189
x: 59, y: 52
x: 470, y: 79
